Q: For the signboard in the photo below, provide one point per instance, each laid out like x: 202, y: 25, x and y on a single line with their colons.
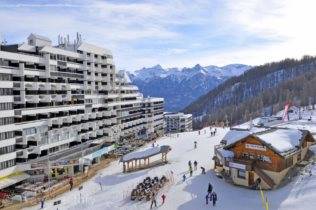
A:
x: 256, y: 147
x: 237, y: 165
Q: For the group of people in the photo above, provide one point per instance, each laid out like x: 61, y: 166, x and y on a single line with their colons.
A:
x: 213, y: 132
x: 195, y: 165
x: 211, y: 195
x: 148, y: 189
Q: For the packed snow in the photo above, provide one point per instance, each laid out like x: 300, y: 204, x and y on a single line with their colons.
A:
x: 300, y: 194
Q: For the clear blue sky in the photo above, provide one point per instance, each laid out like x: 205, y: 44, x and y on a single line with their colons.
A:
x: 172, y: 32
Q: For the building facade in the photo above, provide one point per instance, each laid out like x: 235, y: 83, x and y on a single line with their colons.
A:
x: 261, y: 159
x: 177, y: 122
x: 55, y: 99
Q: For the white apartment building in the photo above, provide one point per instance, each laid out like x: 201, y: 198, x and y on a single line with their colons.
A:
x: 177, y: 122
x: 55, y: 99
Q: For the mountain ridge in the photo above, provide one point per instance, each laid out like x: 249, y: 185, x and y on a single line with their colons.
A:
x: 181, y: 86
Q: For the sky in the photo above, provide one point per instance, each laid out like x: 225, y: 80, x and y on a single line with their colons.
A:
x: 173, y: 33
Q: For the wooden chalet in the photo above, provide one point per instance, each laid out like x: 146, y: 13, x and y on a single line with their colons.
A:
x: 261, y: 158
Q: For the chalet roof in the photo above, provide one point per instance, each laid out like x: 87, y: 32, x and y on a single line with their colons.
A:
x: 282, y: 140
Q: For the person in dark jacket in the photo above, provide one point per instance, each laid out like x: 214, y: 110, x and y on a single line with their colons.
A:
x: 195, y: 163
x: 206, y: 198
x: 203, y: 170
x: 214, y: 198
x: 184, y: 177
x: 210, y: 188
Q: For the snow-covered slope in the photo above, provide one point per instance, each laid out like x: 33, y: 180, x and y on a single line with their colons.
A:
x: 189, y: 195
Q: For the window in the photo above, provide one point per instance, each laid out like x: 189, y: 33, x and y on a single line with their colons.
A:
x: 5, y: 91
x: 241, y: 174
x: 6, y: 106
x: 6, y: 120
x: 7, y: 164
x: 6, y: 135
x: 288, y: 162
x: 299, y: 157
x: 7, y: 149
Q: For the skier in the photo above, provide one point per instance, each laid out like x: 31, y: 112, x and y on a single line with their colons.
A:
x: 153, y: 200
x: 195, y: 144
x: 206, y: 198
x: 42, y: 202
x: 163, y: 197
x: 214, y: 198
x: 189, y: 163
x: 210, y: 188
x: 203, y: 170
x: 100, y: 186
x: 195, y: 163
x: 184, y: 177
x: 71, y: 183
x: 191, y: 171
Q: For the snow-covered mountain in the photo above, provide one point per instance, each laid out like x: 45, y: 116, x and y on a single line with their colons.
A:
x: 181, y: 86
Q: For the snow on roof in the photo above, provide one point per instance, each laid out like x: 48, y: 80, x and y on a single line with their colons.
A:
x: 282, y: 140
x: 26, y: 47
x: 225, y: 153
x: 93, y: 49
x: 145, y: 153
x: 235, y: 135
x: 39, y: 37
x: 56, y: 50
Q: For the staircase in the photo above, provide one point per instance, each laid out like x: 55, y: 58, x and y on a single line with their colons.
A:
x: 263, y: 176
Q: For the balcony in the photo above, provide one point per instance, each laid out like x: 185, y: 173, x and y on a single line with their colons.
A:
x: 45, y: 98
x: 57, y: 98
x: 32, y: 98
x: 31, y: 85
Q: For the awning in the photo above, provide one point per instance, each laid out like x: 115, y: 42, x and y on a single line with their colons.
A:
x: 13, y: 179
x: 97, y: 153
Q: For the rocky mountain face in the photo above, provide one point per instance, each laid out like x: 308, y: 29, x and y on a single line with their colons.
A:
x: 180, y: 87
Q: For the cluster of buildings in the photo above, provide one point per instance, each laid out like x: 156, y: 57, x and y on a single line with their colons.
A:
x: 262, y: 157
x: 177, y: 122
x: 65, y: 100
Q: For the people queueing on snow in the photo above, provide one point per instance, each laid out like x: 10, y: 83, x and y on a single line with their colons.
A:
x: 203, y: 170
x: 71, y: 183
x: 195, y: 163
x: 153, y: 200
x: 214, y: 198
x: 184, y: 177
x: 195, y: 144
x: 209, y: 189
x: 163, y: 198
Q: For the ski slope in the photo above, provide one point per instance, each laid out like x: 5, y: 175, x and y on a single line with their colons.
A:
x: 189, y: 195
